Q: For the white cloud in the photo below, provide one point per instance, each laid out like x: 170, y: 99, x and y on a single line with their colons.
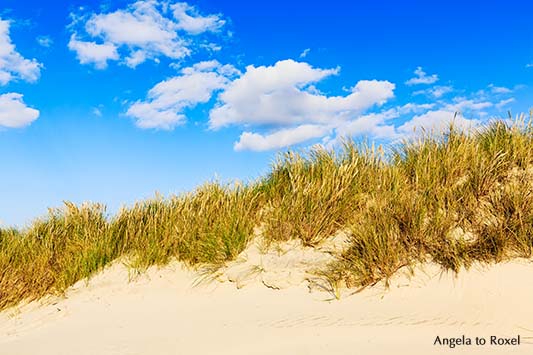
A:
x: 499, y: 89
x: 144, y: 30
x: 435, y: 92
x: 305, y: 52
x: 283, y: 106
x: 166, y: 101
x: 211, y: 47
x: 463, y: 104
x: 439, y: 91
x: 282, y: 102
x: 432, y: 117
x: 136, y: 58
x: 93, y: 53
x: 422, y: 78
x: 373, y: 124
x: 279, y: 105
x: 279, y: 95
x: 13, y: 65
x: 478, y: 105
x: 281, y: 138
x: 379, y: 124
x: 14, y: 113
x: 45, y: 41
x: 412, y: 107
x: 503, y: 103
x: 437, y: 121
x: 190, y: 20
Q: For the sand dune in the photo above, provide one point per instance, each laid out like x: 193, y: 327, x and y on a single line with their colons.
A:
x: 161, y: 312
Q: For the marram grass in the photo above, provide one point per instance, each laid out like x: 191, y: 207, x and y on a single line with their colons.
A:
x: 453, y: 198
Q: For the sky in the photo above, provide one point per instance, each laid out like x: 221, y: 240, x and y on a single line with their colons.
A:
x: 113, y: 101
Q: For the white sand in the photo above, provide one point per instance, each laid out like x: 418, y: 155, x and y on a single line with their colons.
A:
x: 162, y: 313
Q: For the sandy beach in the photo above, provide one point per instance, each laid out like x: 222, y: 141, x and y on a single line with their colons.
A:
x: 163, y: 311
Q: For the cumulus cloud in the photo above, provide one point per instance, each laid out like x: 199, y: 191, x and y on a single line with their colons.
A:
x: 279, y: 101
x: 281, y: 95
x: 14, y: 113
x: 443, y: 112
x: 13, y: 65
x: 280, y: 105
x: 144, y: 30
x: 93, y: 53
x: 437, y: 121
x: 189, y: 19
x: 283, y: 104
x: 379, y: 125
x: 166, y: 101
x: 422, y: 78
x: 280, y: 138
x: 374, y: 125
x: 436, y: 92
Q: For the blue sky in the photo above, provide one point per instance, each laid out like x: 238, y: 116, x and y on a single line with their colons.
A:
x: 111, y: 101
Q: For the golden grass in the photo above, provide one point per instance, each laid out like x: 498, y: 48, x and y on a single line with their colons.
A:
x: 211, y: 225
x: 453, y: 198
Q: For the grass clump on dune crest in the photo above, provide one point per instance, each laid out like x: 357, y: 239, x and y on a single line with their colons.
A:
x: 68, y: 245
x: 310, y: 196
x: 453, y: 198
x: 211, y: 225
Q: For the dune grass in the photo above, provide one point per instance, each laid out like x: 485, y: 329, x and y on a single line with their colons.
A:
x: 451, y: 198
x: 211, y: 225
x: 55, y: 252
